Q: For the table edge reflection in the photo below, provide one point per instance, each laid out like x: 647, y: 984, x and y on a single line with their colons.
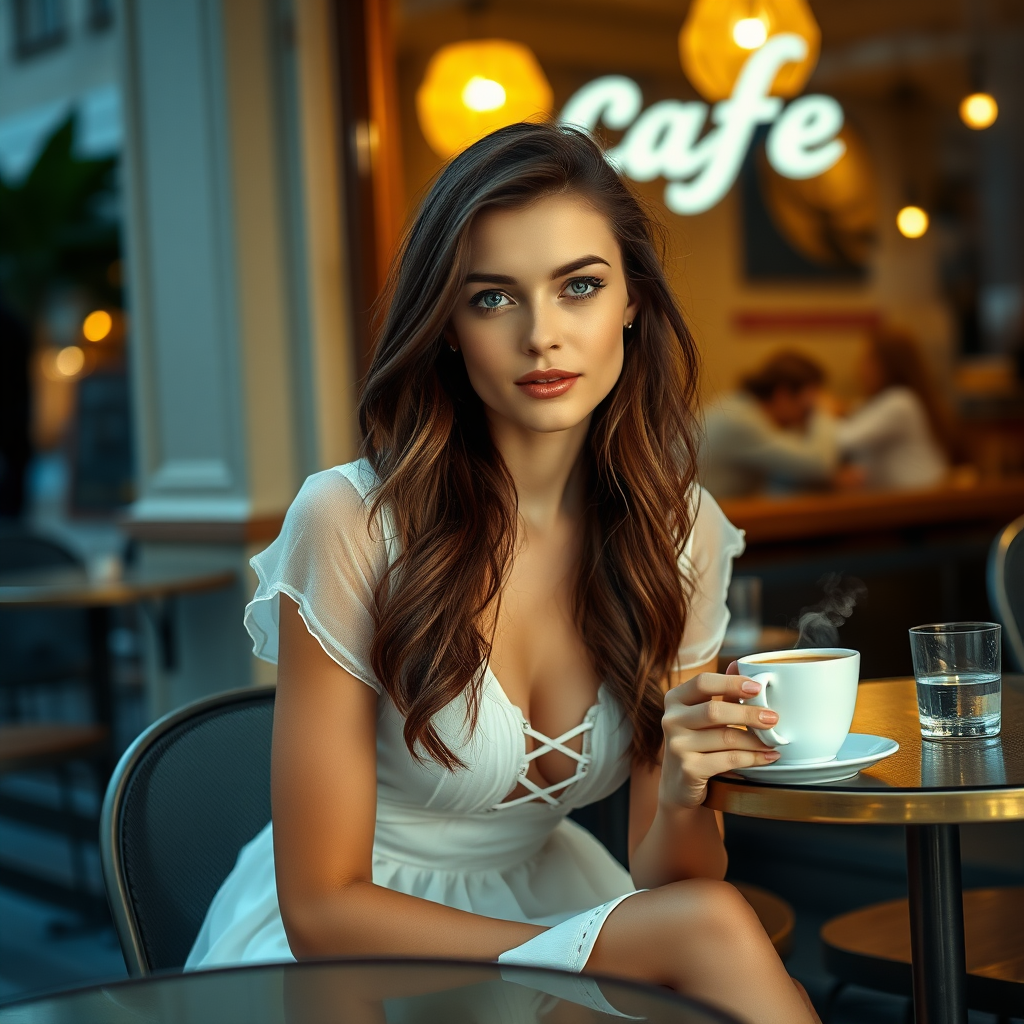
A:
x: 24, y: 1011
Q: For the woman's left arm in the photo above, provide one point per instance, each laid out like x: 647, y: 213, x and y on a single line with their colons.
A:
x: 672, y: 835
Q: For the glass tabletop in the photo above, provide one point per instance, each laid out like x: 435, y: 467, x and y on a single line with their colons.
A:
x: 924, y: 782
x: 365, y: 992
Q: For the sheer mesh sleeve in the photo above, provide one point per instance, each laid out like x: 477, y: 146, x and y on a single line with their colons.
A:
x: 327, y: 558
x: 707, y: 561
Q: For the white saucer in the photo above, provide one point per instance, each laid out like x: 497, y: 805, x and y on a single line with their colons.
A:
x: 859, y: 750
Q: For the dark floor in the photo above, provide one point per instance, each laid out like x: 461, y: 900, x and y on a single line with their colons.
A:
x: 44, y: 946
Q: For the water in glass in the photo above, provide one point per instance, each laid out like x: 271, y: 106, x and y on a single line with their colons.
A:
x: 963, y: 705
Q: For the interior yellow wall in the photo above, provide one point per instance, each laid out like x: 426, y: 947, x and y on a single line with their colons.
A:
x: 576, y: 44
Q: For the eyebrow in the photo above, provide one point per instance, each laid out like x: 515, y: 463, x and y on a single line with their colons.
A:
x: 567, y: 268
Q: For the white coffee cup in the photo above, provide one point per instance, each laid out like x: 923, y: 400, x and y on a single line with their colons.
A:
x: 814, y: 692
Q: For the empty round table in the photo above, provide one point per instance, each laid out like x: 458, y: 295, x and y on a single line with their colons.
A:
x: 365, y: 992
x: 929, y: 786
x: 73, y: 588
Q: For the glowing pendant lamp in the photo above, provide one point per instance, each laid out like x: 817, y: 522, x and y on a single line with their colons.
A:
x: 912, y: 221
x: 718, y: 36
x: 475, y: 86
x: 979, y: 110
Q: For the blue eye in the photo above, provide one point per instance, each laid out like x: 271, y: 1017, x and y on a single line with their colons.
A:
x: 583, y: 287
x: 489, y: 300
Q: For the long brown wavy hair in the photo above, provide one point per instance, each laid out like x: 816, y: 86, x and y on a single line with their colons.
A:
x: 449, y: 492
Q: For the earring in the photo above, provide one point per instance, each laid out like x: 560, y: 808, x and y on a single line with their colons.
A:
x: 452, y: 347
x: 629, y: 326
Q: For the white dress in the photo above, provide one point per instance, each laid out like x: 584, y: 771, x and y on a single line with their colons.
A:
x: 891, y: 438
x: 451, y: 837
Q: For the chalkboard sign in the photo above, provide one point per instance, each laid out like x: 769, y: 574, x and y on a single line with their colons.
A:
x: 102, y: 473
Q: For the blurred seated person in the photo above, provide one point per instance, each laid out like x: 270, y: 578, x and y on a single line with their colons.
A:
x: 902, y: 436
x: 770, y: 435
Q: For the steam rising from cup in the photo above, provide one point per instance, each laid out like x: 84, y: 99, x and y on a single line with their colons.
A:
x: 818, y: 625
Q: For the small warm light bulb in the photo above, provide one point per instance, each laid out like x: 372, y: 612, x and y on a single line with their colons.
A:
x: 482, y: 94
x: 979, y: 110
x: 69, y: 361
x: 97, y: 325
x: 749, y: 33
x: 912, y: 221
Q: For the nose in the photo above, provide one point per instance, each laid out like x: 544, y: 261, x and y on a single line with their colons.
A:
x: 543, y: 335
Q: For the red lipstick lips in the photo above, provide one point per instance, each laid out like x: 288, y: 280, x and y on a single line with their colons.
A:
x: 546, y: 383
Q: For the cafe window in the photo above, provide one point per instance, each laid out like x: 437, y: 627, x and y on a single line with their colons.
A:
x: 39, y: 25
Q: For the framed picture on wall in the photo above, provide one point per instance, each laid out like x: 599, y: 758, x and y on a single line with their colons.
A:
x: 815, y: 229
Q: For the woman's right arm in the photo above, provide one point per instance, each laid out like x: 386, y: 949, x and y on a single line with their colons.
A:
x: 324, y: 798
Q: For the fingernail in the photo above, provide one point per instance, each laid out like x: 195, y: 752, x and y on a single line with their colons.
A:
x: 751, y: 687
x: 768, y: 716
x: 772, y: 755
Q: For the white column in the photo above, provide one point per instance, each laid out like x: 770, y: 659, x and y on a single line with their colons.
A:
x: 242, y: 368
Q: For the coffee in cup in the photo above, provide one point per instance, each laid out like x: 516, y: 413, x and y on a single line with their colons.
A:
x: 788, y: 658
x: 814, y: 692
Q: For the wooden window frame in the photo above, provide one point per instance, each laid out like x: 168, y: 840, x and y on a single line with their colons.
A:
x: 370, y: 155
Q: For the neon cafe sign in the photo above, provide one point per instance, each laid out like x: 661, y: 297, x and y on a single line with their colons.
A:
x: 665, y: 140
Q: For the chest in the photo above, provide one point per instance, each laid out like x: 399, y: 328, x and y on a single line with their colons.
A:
x: 538, y: 651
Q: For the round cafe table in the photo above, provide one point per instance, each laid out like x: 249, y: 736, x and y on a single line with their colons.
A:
x: 930, y: 787
x: 365, y: 992
x: 73, y: 588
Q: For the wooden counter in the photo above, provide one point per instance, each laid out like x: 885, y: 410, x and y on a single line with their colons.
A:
x: 767, y: 520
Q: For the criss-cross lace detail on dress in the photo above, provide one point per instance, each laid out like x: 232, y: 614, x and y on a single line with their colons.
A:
x: 546, y: 744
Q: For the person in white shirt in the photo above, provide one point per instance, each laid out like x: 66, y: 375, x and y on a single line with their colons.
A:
x: 770, y: 435
x: 901, y: 436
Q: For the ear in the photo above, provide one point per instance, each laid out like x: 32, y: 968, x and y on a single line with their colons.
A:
x: 450, y: 337
x: 631, y: 310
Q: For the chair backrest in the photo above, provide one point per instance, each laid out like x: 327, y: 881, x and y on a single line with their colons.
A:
x: 1006, y: 587
x: 187, y: 795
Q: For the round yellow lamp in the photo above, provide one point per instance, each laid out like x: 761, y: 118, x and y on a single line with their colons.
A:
x: 476, y: 86
x: 69, y: 361
x: 97, y: 325
x: 718, y: 36
x: 912, y: 222
x: 979, y: 110
x: 750, y: 33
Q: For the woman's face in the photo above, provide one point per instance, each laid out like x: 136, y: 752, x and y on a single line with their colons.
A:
x: 540, y: 316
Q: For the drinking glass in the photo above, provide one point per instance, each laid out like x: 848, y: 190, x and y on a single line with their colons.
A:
x: 744, y: 603
x: 958, y: 672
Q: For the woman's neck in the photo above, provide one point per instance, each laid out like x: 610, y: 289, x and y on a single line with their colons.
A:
x: 546, y: 469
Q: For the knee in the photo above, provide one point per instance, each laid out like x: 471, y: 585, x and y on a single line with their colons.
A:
x: 718, y: 910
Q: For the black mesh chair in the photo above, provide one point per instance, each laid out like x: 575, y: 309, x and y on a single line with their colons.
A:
x: 1006, y: 587
x: 187, y: 795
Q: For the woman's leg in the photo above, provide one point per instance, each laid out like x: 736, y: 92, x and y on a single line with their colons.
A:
x: 702, y: 939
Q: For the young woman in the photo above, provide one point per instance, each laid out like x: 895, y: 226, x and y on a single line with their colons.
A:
x: 901, y: 436
x: 510, y: 605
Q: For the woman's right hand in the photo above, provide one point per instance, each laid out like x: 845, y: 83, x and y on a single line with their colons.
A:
x: 701, y: 738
